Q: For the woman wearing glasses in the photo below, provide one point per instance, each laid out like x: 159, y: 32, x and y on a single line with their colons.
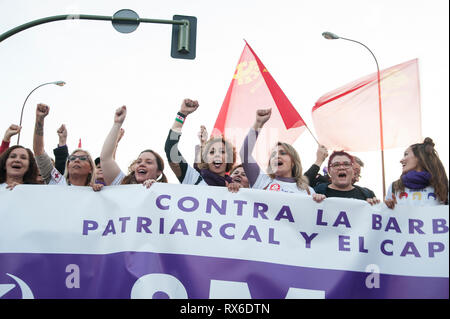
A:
x: 79, y: 166
x: 340, y: 169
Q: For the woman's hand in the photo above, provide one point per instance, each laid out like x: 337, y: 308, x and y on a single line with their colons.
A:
x: 120, y: 115
x: 262, y: 116
x: 148, y: 183
x: 390, y: 203
x: 373, y: 201
x: 233, y: 187
x: 62, y: 135
x: 12, y: 185
x: 42, y: 111
x: 202, y: 135
x: 318, y: 197
x: 188, y: 106
x: 97, y: 187
x: 12, y: 130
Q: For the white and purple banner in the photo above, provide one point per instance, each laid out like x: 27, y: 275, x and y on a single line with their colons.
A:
x: 182, y: 241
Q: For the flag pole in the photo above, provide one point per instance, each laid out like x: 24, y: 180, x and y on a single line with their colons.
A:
x: 332, y: 36
x: 312, y: 134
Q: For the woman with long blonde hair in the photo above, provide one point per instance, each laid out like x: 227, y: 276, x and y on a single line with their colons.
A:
x: 284, y: 172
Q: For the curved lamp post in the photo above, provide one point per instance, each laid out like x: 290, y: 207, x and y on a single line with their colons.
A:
x: 332, y: 36
x: 59, y: 83
x: 184, y: 28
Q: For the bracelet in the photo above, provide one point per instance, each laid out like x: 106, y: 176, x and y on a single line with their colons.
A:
x: 180, y: 117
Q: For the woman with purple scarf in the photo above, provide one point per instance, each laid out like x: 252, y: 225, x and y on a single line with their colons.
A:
x: 423, y: 181
x: 217, y: 156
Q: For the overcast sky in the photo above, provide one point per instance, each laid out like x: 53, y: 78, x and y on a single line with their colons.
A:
x: 105, y: 69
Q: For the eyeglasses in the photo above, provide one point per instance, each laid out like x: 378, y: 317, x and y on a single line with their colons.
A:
x: 80, y: 157
x: 343, y: 164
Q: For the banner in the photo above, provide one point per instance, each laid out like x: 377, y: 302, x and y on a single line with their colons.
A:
x: 184, y: 241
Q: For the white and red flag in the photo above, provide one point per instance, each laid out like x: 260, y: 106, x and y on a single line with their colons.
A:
x: 348, y: 118
x: 252, y: 88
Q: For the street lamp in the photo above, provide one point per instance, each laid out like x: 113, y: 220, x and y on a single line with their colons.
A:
x: 332, y: 36
x: 59, y: 83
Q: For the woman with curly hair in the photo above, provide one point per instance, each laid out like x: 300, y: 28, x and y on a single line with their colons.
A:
x: 423, y: 181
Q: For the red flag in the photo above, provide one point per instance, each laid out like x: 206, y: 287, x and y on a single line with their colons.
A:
x: 348, y: 117
x: 79, y: 143
x: 252, y: 88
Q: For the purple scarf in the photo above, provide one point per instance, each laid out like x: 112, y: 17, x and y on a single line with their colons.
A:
x: 416, y: 180
x: 212, y: 179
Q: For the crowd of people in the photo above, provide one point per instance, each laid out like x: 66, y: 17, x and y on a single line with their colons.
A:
x: 423, y: 179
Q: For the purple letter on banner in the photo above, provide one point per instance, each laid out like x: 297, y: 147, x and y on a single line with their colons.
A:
x: 158, y: 202
x: 383, y: 249
x: 285, y: 212
x: 183, y: 208
x: 89, y: 225
x: 319, y: 218
x: 308, y: 239
x: 223, y: 233
x: 143, y: 223
x: 342, y: 219
x: 376, y: 222
x: 439, y: 226
x: 260, y: 208
x: 343, y: 241
x: 431, y: 250
x: 410, y: 249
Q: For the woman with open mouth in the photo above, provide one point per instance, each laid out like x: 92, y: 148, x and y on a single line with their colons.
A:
x: 79, y: 168
x: 17, y: 166
x: 285, y: 169
x: 217, y: 155
x: 147, y: 169
x: 238, y: 177
x: 423, y: 181
x: 341, y: 171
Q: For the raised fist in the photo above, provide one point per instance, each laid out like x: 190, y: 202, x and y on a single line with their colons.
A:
x: 188, y: 106
x: 120, y: 114
x: 12, y: 130
x: 262, y: 116
x: 42, y: 110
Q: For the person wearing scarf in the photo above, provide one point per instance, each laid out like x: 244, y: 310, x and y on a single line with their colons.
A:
x: 217, y: 155
x: 423, y: 181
